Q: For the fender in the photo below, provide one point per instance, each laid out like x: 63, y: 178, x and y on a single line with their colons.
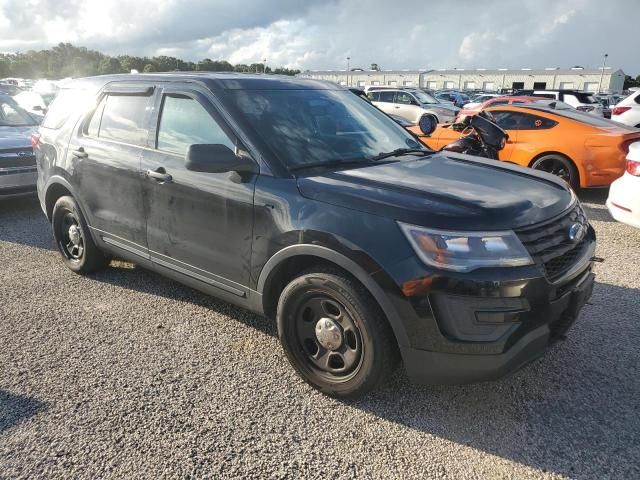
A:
x: 347, y: 264
x: 59, y: 180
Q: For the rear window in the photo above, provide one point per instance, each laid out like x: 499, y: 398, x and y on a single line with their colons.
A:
x: 67, y: 102
x: 121, y: 118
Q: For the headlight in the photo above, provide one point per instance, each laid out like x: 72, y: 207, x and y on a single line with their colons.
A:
x: 466, y: 251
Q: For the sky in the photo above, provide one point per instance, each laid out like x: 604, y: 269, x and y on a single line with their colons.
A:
x: 321, y: 34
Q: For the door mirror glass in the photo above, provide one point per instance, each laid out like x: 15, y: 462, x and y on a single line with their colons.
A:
x: 216, y: 158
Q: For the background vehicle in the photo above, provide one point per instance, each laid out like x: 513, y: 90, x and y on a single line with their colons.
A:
x: 478, y: 100
x: 582, y: 101
x: 9, y: 88
x: 32, y: 102
x: 624, y: 194
x: 17, y: 162
x: 627, y: 111
x: 584, y: 150
x: 411, y: 104
x: 505, y: 100
x: 299, y: 201
x: 459, y: 99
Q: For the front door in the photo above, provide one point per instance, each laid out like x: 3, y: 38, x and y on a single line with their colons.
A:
x: 198, y: 224
x: 104, y: 160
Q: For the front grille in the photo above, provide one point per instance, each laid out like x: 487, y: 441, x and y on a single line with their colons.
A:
x: 17, y: 157
x: 550, y: 246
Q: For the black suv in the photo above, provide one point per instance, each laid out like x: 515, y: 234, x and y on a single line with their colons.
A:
x: 300, y: 201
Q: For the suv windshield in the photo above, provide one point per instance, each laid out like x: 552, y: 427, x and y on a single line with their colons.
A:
x: 313, y: 127
x: 424, y: 97
x: 11, y: 115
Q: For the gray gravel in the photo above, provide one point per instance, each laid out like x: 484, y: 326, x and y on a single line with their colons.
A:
x: 126, y: 374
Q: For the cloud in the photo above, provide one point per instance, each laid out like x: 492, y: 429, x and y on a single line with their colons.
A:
x: 317, y: 34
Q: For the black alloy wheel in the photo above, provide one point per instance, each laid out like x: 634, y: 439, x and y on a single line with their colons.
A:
x: 560, y: 167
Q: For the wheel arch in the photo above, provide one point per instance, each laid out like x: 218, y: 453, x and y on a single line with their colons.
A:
x: 578, y: 168
x: 57, y: 187
x: 290, y: 261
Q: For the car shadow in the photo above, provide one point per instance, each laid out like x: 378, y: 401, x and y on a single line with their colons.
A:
x: 15, y: 409
x: 573, y: 412
x: 22, y: 222
x: 594, y: 203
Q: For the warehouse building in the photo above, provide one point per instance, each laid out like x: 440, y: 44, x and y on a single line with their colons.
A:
x: 592, y: 80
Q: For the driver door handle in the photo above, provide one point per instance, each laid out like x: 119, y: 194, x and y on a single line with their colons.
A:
x: 159, y: 175
x: 80, y: 153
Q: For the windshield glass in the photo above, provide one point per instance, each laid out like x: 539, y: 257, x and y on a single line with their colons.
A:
x: 310, y: 127
x: 424, y: 97
x: 11, y: 115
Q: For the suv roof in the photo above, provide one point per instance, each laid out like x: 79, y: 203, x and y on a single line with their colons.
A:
x: 217, y: 80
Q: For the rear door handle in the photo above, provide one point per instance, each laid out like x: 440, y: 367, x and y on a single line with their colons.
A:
x: 159, y: 175
x: 80, y: 153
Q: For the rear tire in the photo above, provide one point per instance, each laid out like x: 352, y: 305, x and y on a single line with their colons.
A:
x: 334, y: 334
x: 559, y: 166
x: 73, y: 239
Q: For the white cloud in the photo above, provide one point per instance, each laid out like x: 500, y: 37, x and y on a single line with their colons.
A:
x: 320, y: 34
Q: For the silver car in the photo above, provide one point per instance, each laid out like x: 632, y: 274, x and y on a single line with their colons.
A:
x: 411, y: 104
x: 18, y: 172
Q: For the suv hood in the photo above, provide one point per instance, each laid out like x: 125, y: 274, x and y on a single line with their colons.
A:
x: 445, y: 191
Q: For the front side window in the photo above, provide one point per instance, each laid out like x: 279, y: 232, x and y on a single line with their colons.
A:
x: 184, y: 122
x: 123, y: 118
x: 404, y: 98
x: 522, y: 121
x: 314, y: 127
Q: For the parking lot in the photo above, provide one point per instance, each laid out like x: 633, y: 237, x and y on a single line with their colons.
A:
x: 125, y: 373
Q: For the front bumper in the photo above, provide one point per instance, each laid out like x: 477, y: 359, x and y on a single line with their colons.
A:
x: 482, y: 325
x: 432, y: 367
x: 18, y: 180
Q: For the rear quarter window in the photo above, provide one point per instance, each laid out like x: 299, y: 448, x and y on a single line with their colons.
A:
x: 67, y: 102
x: 123, y: 119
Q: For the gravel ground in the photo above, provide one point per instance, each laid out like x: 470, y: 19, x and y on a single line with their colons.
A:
x: 126, y: 374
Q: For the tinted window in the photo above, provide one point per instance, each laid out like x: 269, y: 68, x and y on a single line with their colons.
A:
x: 500, y: 102
x: 123, y: 119
x: 387, y: 96
x: 66, y: 102
x: 183, y: 122
x: 522, y: 121
x: 374, y: 96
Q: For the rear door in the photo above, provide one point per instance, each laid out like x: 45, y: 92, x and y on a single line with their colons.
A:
x: 198, y: 224
x: 383, y: 99
x: 104, y: 158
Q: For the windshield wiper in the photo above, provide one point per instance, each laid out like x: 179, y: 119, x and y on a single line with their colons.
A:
x: 401, y: 151
x: 330, y: 163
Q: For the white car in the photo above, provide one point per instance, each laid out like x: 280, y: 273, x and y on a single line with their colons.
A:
x: 624, y: 194
x: 411, y: 104
x: 628, y: 110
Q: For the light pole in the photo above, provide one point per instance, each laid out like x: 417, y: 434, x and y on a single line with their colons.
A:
x: 604, y: 62
x: 348, y: 67
x: 264, y: 65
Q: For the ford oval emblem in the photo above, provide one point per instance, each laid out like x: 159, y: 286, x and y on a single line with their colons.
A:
x: 576, y: 232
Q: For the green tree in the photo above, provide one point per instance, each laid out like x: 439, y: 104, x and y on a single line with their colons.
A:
x: 110, y: 65
x: 149, y: 68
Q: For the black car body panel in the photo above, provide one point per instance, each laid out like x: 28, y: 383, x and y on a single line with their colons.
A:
x: 236, y: 236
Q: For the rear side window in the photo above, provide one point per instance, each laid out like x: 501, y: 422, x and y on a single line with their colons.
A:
x: 183, y: 122
x: 374, y: 96
x: 522, y: 121
x: 66, y: 102
x: 121, y: 118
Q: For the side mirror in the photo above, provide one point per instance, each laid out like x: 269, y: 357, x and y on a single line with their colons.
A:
x: 37, y: 108
x: 216, y: 158
x: 427, y: 124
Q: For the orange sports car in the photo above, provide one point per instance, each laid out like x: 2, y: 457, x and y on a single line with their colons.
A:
x: 584, y: 150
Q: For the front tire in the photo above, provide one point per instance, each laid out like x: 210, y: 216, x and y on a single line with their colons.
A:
x: 73, y: 239
x: 334, y: 334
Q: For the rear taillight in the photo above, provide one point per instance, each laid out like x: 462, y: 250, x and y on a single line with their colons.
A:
x: 619, y: 110
x: 35, y: 139
x: 633, y: 168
